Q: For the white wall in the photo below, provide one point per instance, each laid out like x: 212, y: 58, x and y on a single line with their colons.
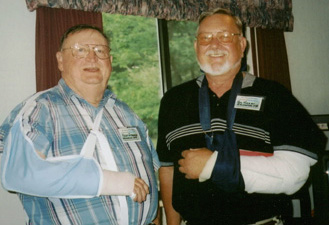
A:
x: 308, y: 54
x: 17, y: 80
x: 307, y: 46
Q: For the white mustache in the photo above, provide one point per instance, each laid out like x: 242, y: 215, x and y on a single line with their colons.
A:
x: 216, y: 52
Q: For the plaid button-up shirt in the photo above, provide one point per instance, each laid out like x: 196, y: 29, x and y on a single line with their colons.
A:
x: 58, y: 129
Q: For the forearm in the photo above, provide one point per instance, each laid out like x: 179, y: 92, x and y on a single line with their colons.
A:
x: 112, y: 183
x: 75, y: 177
x: 25, y: 170
x: 284, y: 172
x: 117, y: 183
x: 166, y: 183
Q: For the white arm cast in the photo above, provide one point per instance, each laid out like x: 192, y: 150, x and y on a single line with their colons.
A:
x: 208, y: 168
x: 284, y: 172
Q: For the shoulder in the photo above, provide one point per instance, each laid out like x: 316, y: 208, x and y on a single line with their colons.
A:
x: 51, y: 96
x: 33, y: 104
x: 264, y: 85
x: 271, y: 90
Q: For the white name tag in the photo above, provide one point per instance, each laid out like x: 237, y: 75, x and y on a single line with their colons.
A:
x: 248, y: 102
x: 129, y: 134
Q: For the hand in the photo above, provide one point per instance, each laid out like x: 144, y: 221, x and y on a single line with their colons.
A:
x: 193, y: 162
x: 141, y: 189
x: 156, y: 221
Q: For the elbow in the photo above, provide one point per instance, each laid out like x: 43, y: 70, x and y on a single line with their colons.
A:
x: 295, y: 182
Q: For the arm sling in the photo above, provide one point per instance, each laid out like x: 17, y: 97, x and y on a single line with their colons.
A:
x: 107, y: 159
x: 74, y: 176
x: 226, y: 174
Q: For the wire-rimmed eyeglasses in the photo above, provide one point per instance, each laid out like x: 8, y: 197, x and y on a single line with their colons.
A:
x: 82, y: 50
x: 205, y: 38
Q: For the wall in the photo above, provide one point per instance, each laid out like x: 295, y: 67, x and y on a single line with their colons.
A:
x: 307, y: 46
x: 17, y: 80
x: 308, y: 52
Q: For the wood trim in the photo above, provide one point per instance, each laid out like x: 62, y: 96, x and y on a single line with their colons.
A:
x: 272, y: 58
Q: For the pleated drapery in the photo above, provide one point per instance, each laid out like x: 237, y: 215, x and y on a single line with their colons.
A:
x: 254, y: 13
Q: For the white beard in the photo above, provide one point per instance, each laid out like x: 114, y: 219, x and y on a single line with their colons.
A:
x: 218, y: 70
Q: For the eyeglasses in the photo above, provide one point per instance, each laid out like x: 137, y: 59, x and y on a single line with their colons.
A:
x: 223, y: 37
x: 81, y: 51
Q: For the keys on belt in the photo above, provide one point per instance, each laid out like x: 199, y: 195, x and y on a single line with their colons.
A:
x: 271, y: 221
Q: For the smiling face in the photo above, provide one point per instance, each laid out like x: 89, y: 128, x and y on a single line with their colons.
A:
x: 88, y: 72
x: 219, y: 58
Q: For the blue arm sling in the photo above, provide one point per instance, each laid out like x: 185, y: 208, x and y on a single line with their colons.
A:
x: 226, y: 173
x: 24, y: 171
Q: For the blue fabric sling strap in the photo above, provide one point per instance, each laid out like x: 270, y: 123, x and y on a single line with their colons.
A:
x: 226, y: 173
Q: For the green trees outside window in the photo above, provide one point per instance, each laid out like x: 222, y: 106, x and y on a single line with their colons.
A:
x: 183, y: 64
x: 136, y: 77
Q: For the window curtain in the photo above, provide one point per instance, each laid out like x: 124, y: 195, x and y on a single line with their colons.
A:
x: 269, y: 55
x: 269, y: 51
x: 50, y: 26
x: 254, y: 13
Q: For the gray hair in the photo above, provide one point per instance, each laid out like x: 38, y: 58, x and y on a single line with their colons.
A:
x: 221, y: 11
x: 81, y: 27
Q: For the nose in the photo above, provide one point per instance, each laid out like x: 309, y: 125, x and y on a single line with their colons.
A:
x: 91, y: 55
x: 215, y: 41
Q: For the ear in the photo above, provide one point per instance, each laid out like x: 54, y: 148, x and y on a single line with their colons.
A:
x: 111, y: 60
x: 195, y: 46
x: 243, y: 45
x: 59, y: 57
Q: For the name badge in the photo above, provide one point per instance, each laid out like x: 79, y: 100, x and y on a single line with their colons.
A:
x: 248, y: 102
x: 129, y: 134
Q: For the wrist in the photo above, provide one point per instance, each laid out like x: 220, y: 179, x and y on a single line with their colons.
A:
x: 208, y: 168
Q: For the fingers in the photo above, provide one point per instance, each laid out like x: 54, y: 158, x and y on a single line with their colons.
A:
x: 183, y: 162
x: 193, y: 161
x: 181, y: 165
x: 184, y: 153
x: 183, y: 169
x: 141, y: 189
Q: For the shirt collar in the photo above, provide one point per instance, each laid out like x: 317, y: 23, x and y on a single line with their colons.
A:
x: 108, y: 94
x: 248, y: 80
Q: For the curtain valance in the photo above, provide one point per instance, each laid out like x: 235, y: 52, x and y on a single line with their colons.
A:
x: 254, y: 13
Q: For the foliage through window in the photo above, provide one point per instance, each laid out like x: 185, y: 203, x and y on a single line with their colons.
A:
x: 183, y: 64
x: 136, y: 77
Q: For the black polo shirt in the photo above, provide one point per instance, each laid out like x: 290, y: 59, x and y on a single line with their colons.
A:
x: 282, y: 123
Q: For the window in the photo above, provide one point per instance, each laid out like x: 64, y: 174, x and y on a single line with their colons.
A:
x: 183, y: 61
x: 136, y: 77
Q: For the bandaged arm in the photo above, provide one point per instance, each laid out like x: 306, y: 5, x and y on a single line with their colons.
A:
x: 25, y: 171
x: 284, y: 172
x: 117, y: 183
